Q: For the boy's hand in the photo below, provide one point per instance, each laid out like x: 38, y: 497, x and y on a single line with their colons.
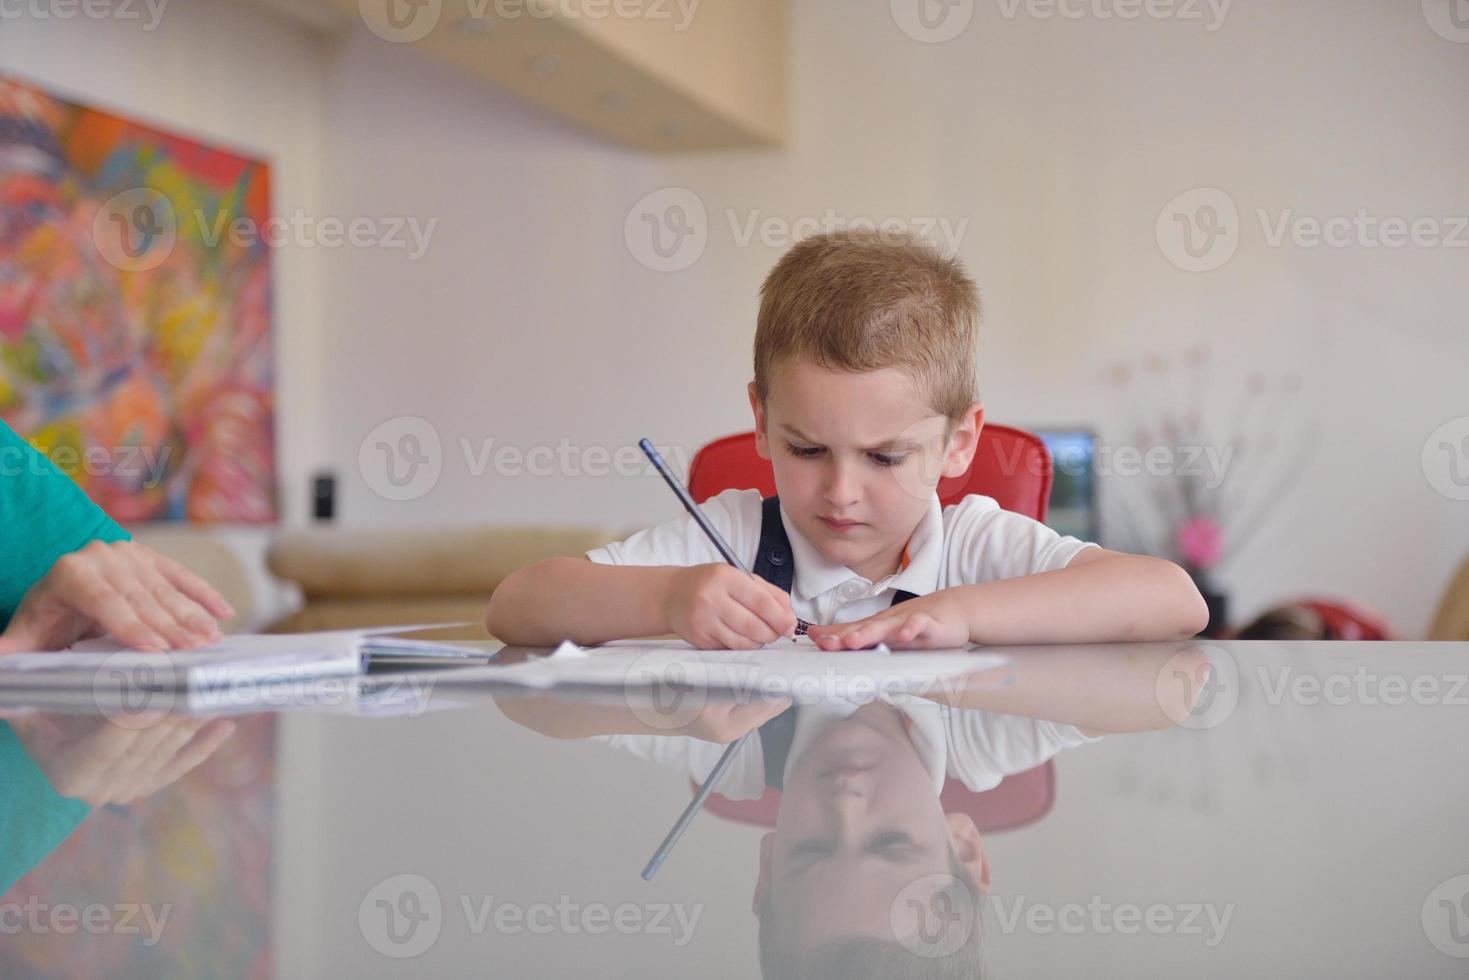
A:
x: 726, y: 721
x: 143, y: 599
x: 928, y: 622
x: 717, y: 606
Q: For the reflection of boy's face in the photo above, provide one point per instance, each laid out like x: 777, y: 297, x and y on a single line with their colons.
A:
x: 859, y: 447
x: 859, y: 821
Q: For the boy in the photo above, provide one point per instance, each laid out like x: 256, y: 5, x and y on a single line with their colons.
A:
x: 863, y: 399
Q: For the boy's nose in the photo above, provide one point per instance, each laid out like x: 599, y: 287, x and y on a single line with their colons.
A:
x: 841, y: 486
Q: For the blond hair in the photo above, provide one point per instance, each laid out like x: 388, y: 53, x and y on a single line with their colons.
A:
x: 864, y: 300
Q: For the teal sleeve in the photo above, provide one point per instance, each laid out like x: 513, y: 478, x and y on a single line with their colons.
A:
x: 43, y: 515
x: 33, y: 819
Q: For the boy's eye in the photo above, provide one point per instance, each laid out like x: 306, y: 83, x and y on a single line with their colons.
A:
x: 811, y: 452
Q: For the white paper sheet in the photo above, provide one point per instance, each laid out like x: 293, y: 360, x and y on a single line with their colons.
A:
x: 798, y: 670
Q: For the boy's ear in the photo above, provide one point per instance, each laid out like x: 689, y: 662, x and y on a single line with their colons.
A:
x: 767, y: 847
x: 967, y: 847
x: 964, y: 441
x: 762, y: 439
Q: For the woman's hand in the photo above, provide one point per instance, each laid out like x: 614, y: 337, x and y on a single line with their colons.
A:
x: 143, y: 599
x: 90, y: 758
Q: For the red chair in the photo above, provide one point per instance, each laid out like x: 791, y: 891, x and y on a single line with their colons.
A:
x: 1010, y: 465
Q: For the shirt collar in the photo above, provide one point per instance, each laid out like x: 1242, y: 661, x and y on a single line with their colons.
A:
x: 816, y: 575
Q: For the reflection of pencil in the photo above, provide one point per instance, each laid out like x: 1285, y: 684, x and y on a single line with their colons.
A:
x: 695, y: 805
x: 682, y: 494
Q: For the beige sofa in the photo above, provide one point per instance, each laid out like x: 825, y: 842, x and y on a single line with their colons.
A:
x: 351, y: 578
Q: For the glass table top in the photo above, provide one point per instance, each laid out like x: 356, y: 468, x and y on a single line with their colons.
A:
x: 1196, y: 809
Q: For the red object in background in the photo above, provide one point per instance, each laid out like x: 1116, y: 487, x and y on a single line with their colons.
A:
x: 1010, y: 465
x: 1345, y: 621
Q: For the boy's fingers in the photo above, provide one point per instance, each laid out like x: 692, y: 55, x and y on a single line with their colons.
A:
x: 710, y: 635
x: 868, y: 633
x: 727, y: 638
x: 771, y: 604
x: 782, y: 602
x: 751, y: 629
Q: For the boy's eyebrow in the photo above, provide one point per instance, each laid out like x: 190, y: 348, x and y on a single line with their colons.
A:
x: 897, y: 442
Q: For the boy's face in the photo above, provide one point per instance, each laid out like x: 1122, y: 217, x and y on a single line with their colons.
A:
x: 857, y: 457
x: 859, y: 823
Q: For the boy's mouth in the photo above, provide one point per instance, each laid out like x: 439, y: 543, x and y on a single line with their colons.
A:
x: 839, y: 525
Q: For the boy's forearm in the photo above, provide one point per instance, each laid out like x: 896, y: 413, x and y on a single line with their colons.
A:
x: 1116, y: 598
x: 1098, y: 688
x: 579, y: 600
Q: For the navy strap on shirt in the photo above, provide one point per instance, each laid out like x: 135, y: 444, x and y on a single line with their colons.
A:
x: 775, y: 563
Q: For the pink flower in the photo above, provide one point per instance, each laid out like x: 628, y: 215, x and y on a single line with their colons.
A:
x: 1200, y: 542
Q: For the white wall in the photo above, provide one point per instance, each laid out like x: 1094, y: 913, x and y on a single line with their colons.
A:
x: 528, y: 321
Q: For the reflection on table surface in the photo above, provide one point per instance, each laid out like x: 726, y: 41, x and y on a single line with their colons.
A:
x: 1187, y: 809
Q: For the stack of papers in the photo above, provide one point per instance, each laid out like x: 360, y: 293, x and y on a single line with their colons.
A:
x: 236, y: 662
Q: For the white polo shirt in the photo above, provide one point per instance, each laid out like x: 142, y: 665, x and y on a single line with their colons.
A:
x: 978, y: 748
x: 966, y: 543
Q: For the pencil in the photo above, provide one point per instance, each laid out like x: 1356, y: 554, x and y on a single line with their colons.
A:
x: 697, y: 803
x: 682, y: 493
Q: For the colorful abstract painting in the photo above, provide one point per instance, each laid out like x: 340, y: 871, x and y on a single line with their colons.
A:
x: 135, y: 340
